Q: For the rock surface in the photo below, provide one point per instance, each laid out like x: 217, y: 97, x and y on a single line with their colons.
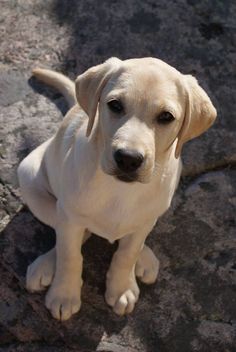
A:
x: 192, y: 307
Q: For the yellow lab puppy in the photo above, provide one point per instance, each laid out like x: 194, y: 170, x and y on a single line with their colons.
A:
x: 112, y: 169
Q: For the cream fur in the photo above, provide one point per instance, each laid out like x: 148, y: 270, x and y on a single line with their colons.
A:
x: 69, y: 181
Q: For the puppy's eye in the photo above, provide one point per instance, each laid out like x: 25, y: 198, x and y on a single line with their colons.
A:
x: 115, y: 106
x: 165, y: 118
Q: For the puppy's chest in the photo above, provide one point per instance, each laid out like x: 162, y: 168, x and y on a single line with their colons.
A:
x: 113, y: 213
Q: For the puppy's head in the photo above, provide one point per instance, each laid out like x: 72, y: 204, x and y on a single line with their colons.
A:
x: 145, y: 109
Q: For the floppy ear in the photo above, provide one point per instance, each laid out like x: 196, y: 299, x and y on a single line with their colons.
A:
x: 199, y: 115
x: 89, y: 86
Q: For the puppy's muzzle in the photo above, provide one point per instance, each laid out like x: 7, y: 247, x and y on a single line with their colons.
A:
x: 128, y: 161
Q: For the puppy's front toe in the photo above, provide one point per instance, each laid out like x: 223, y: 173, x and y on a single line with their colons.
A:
x: 40, y: 273
x: 147, y: 266
x: 122, y: 296
x: 62, y: 308
x: 63, y: 303
x: 124, y: 304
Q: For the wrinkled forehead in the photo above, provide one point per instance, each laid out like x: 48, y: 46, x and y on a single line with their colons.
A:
x: 145, y: 81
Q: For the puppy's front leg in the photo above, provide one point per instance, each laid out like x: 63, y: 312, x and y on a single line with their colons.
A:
x: 122, y: 290
x: 63, y: 297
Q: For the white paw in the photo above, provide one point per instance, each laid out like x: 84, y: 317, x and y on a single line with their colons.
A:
x: 147, y: 266
x: 122, y: 297
x: 63, y: 303
x: 40, y: 273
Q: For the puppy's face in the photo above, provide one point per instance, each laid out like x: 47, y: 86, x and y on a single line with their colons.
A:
x: 146, y: 107
x: 140, y: 113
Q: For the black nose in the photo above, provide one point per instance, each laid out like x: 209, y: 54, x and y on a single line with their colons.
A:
x: 128, y: 160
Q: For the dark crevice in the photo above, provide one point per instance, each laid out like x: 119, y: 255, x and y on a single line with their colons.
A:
x: 39, y: 344
x: 221, y: 321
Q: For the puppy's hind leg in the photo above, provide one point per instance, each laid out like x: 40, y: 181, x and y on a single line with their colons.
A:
x: 34, y: 187
x: 41, y: 272
x: 147, y: 266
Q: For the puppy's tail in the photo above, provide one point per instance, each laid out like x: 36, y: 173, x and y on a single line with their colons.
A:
x: 57, y: 80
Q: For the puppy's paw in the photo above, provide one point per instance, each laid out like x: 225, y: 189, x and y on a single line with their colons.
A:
x: 147, y: 266
x: 40, y: 273
x: 122, y: 296
x: 63, y: 302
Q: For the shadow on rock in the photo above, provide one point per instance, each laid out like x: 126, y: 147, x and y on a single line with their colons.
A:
x: 24, y: 316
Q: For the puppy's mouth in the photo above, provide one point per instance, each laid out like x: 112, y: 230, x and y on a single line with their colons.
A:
x: 126, y: 178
